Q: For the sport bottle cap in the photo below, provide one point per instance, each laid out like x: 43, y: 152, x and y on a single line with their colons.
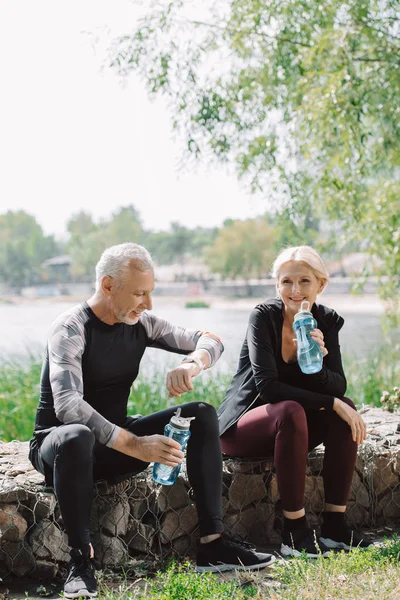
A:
x: 180, y: 422
x: 304, y: 310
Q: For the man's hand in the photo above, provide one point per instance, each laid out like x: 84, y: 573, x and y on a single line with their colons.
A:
x: 149, y: 448
x: 179, y: 380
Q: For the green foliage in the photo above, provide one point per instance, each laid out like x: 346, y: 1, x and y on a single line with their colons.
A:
x: 301, y: 96
x: 89, y: 239
x: 243, y: 249
x: 373, y: 572
x: 179, y: 582
x: 368, y: 377
x: 391, y: 401
x: 23, y: 247
x: 19, y: 396
x: 20, y: 377
x: 178, y: 243
x: 197, y: 304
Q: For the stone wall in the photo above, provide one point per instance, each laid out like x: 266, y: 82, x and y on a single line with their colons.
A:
x: 138, y: 519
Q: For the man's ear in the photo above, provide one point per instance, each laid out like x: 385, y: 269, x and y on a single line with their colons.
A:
x: 106, y: 285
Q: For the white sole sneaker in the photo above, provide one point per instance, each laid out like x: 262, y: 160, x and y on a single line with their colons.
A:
x: 339, y: 545
x: 288, y: 551
x: 226, y: 567
x: 80, y: 594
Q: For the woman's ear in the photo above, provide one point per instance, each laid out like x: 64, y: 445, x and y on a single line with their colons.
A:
x: 322, y: 284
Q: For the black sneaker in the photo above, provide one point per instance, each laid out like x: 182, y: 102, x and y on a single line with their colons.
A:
x: 302, y: 542
x: 80, y: 582
x: 228, y: 554
x: 344, y: 538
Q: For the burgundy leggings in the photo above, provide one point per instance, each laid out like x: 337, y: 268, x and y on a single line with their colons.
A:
x: 286, y: 432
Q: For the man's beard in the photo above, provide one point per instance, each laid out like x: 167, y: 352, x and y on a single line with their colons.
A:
x: 124, y: 318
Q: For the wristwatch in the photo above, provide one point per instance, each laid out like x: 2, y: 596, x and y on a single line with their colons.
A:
x: 194, y: 359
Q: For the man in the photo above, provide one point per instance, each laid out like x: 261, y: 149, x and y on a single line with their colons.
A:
x: 83, y: 434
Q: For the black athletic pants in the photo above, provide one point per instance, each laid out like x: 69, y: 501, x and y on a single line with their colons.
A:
x: 74, y: 460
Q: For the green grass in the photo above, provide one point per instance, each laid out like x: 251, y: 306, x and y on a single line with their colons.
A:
x: 372, y: 574
x: 197, y: 304
x: 19, y: 394
x: 19, y: 388
x: 368, y: 377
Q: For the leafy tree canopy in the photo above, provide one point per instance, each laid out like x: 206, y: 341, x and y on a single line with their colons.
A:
x: 301, y: 96
x: 244, y: 249
x: 23, y: 247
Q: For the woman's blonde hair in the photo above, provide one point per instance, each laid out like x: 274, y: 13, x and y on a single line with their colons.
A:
x: 304, y: 254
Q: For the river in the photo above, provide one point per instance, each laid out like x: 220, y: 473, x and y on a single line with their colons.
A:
x: 25, y: 325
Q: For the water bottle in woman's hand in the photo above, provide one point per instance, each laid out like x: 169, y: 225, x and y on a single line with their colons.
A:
x: 309, y: 354
x: 177, y: 429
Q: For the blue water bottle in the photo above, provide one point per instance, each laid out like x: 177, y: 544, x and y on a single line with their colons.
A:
x: 178, y: 429
x: 309, y: 354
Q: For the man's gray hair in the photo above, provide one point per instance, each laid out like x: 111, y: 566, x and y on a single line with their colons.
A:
x: 115, y: 261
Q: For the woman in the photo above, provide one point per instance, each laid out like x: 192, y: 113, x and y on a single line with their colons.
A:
x: 272, y: 408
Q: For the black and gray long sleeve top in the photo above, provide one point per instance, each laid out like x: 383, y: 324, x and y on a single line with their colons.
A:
x: 263, y: 377
x: 89, y: 368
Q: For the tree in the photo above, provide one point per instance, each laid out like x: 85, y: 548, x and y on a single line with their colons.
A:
x: 301, y: 96
x: 175, y: 245
x: 243, y: 249
x: 23, y: 248
x: 89, y: 239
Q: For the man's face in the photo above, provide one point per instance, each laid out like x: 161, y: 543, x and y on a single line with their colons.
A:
x: 129, y: 300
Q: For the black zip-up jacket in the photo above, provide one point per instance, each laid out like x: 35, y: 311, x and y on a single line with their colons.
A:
x: 263, y: 377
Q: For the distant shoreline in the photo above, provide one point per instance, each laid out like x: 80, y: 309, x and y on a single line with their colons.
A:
x: 348, y: 303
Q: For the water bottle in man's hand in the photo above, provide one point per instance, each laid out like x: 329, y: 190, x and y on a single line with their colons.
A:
x: 178, y: 429
x: 309, y: 354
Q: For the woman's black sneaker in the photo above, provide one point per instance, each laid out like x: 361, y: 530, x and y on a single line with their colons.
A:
x: 228, y: 554
x: 303, y: 542
x: 344, y: 538
x: 81, y: 581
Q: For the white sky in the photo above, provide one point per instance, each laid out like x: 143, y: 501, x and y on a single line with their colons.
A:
x: 73, y: 138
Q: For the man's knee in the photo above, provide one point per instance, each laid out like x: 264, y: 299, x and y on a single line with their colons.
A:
x: 76, y: 441
x: 205, y: 415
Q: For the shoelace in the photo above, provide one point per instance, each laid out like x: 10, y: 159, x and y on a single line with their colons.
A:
x: 309, y: 537
x: 82, y: 567
x: 237, y: 540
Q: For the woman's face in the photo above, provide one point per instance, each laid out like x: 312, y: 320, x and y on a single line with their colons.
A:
x: 296, y: 283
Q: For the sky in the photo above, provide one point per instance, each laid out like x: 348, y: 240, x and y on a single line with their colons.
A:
x: 74, y: 137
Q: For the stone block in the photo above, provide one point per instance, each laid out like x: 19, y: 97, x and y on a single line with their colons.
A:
x: 245, y: 489
x: 357, y: 515
x: 388, y: 508
x: 177, y: 523
x: 358, y: 492
x: 173, y: 496
x: 18, y: 557
x: 255, y: 524
x: 111, y: 514
x: 48, y: 541
x: 110, y: 551
x: 314, y: 494
x: 12, y: 525
x: 140, y: 537
x: 384, y: 476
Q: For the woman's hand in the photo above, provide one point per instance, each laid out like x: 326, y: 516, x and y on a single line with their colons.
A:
x: 318, y: 337
x: 352, y: 418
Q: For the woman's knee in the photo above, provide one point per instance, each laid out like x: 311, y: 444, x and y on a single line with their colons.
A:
x: 292, y: 414
x: 349, y: 402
